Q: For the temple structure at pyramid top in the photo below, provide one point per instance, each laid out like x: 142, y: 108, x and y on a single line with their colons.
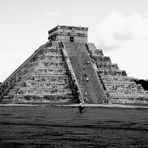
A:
x: 68, y: 33
x: 69, y: 69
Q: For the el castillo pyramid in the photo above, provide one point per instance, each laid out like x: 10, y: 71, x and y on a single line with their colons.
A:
x: 69, y: 69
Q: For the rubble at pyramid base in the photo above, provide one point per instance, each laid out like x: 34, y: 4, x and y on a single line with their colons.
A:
x: 69, y: 69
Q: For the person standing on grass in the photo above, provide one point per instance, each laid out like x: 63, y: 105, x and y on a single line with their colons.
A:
x: 80, y: 108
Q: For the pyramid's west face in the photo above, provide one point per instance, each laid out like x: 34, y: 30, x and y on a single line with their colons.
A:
x: 42, y: 79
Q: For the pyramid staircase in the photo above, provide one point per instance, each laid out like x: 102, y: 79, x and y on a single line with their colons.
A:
x: 91, y: 89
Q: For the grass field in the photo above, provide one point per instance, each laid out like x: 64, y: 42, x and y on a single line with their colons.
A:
x: 48, y: 126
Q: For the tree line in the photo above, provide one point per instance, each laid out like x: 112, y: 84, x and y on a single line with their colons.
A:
x: 144, y: 83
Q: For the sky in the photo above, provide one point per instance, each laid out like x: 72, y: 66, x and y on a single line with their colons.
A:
x: 118, y: 27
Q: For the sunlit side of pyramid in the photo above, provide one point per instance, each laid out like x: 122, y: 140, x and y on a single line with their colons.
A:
x: 69, y: 69
x: 42, y: 78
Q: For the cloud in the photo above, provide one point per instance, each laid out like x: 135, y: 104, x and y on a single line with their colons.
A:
x: 103, y: 45
x: 122, y: 36
x: 52, y: 13
x: 117, y: 28
x: 125, y: 39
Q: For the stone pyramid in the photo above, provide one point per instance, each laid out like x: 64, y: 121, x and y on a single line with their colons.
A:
x: 69, y: 69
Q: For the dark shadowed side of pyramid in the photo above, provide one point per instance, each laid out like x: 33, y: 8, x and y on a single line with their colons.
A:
x: 68, y: 69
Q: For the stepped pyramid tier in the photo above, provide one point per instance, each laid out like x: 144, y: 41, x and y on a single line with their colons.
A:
x: 118, y: 86
x: 69, y: 69
x: 42, y: 78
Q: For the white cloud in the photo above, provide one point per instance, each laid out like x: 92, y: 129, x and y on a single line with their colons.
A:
x: 52, y: 13
x: 129, y: 36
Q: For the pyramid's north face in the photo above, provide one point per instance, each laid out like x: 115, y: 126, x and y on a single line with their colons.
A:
x: 69, y: 69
